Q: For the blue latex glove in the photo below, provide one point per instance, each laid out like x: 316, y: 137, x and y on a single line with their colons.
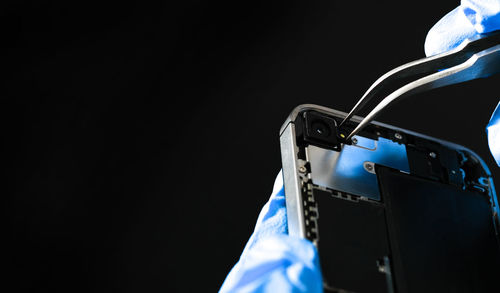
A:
x: 493, y: 130
x: 272, y: 261
x: 471, y: 18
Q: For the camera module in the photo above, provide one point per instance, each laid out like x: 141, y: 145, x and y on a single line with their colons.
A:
x: 320, y: 129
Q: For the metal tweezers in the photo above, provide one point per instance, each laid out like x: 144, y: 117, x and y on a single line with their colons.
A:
x: 474, y: 58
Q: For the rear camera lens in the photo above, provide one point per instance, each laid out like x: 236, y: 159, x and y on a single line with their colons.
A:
x: 320, y: 128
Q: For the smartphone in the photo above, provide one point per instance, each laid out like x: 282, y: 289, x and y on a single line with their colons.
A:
x: 390, y: 210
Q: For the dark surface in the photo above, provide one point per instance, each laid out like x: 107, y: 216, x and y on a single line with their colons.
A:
x: 141, y: 140
x: 352, y: 239
x: 442, y: 238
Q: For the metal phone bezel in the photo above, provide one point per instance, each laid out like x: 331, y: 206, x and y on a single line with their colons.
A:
x: 291, y: 174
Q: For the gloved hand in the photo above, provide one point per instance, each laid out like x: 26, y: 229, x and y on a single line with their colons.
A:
x: 272, y: 261
x: 493, y: 130
x: 471, y: 18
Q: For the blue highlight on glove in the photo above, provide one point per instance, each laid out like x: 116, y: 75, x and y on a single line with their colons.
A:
x: 493, y: 131
x: 273, y: 261
x: 484, y: 15
x: 471, y: 18
x: 449, y: 32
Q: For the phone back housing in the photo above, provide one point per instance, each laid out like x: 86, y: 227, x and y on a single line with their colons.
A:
x: 391, y: 211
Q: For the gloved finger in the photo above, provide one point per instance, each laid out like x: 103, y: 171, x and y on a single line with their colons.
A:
x: 272, y: 218
x: 471, y: 18
x: 448, y: 32
x: 493, y: 131
x: 484, y: 15
x: 278, y: 263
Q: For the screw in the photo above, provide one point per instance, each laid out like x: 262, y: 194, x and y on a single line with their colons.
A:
x: 302, y: 169
x: 369, y: 167
x: 432, y: 155
x: 354, y: 141
x: 398, y: 135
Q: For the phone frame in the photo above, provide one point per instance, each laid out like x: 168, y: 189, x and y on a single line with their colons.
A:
x: 292, y: 178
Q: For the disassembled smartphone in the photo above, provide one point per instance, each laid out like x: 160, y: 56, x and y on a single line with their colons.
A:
x: 390, y: 210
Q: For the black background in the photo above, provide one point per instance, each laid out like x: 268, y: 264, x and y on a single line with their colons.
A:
x: 141, y: 139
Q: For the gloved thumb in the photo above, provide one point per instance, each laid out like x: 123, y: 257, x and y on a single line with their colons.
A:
x: 277, y: 263
x: 493, y: 131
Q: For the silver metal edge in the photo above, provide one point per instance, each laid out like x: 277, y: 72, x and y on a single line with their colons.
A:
x: 297, y: 110
x: 292, y: 184
x: 291, y: 179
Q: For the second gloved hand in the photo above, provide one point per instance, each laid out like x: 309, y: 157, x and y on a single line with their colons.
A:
x: 469, y: 20
x: 272, y: 261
